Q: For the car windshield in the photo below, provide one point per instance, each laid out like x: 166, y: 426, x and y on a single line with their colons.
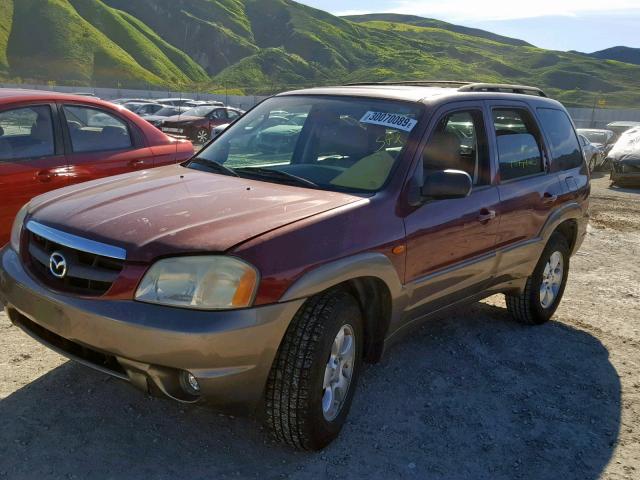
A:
x: 167, y: 112
x: 333, y: 143
x: 201, y: 111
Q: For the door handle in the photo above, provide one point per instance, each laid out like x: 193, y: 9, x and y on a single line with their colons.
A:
x: 44, y: 176
x: 549, y: 198
x: 136, y: 163
x: 486, y: 215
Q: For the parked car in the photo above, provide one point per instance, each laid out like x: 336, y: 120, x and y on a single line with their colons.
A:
x: 620, y: 127
x: 196, y: 123
x: 200, y: 103
x: 162, y: 114
x: 217, y: 130
x: 251, y: 280
x: 593, y: 154
x: 176, y: 102
x: 51, y: 140
x: 624, y: 158
x: 144, y: 108
x: 122, y: 101
x: 603, y: 139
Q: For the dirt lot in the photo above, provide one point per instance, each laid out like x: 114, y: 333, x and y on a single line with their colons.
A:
x: 469, y: 396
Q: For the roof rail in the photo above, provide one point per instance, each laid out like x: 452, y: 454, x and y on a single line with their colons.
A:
x: 417, y: 83
x: 500, y: 87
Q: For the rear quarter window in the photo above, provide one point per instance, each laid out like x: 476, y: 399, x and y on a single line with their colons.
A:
x: 565, y: 149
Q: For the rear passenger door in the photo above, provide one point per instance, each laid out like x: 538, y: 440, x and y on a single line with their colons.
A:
x: 32, y: 158
x: 528, y: 189
x: 100, y: 143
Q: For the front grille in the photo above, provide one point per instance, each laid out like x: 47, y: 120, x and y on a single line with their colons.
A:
x: 86, y: 273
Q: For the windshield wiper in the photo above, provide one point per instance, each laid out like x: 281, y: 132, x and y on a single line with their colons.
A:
x: 213, y: 166
x: 278, y: 174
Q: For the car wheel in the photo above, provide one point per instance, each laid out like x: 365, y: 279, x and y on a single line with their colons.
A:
x: 202, y: 136
x: 544, y: 288
x: 593, y: 161
x: 314, y: 375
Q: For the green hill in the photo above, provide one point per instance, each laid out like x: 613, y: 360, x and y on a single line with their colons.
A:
x: 620, y: 54
x: 433, y: 23
x: 261, y: 46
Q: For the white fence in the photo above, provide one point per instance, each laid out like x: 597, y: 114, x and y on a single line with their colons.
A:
x: 600, y: 117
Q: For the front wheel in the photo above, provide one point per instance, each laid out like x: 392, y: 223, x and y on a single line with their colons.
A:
x: 314, y: 375
x: 545, y: 287
x: 593, y: 162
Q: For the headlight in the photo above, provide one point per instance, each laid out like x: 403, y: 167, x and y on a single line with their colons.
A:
x: 16, y: 230
x: 200, y: 282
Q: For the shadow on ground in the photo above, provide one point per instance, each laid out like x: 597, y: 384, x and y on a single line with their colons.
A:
x: 469, y: 396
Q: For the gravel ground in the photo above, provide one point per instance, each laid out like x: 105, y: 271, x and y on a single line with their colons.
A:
x: 471, y: 395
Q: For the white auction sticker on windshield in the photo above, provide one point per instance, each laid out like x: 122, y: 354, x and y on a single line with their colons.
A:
x: 391, y: 120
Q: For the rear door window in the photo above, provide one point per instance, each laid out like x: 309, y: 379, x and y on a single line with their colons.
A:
x: 219, y: 114
x: 565, y: 149
x: 519, y: 146
x: 95, y: 130
x: 26, y: 133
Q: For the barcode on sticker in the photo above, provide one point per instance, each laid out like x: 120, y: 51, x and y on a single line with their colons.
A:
x: 391, y: 120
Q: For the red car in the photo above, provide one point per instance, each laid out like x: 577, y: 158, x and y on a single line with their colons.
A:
x: 196, y: 124
x: 50, y: 140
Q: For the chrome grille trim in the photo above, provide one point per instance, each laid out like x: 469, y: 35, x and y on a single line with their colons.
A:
x: 75, y: 242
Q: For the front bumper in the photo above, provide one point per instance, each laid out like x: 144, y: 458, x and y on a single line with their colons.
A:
x: 230, y: 353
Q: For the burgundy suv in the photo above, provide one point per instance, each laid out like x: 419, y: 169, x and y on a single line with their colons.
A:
x: 263, y: 279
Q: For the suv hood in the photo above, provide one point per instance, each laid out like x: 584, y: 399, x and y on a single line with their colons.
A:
x: 175, y: 210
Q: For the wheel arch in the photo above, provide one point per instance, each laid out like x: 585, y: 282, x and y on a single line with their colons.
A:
x: 372, y: 279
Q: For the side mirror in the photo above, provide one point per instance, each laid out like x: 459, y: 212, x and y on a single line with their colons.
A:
x: 444, y: 184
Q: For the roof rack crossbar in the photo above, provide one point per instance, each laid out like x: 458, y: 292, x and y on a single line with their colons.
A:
x: 502, y: 87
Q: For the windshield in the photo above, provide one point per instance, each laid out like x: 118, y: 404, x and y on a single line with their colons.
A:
x: 167, y: 112
x: 202, y: 111
x: 333, y: 143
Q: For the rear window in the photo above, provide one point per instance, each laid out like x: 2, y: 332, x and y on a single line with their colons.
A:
x: 519, y: 151
x: 94, y: 130
x: 565, y: 149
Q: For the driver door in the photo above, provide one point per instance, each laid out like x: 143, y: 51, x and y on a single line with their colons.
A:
x: 450, y: 243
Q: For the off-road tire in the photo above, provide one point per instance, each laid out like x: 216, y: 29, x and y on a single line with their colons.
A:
x: 526, y: 307
x: 293, y: 397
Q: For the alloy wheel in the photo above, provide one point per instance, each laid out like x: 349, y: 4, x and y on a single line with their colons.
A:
x: 552, y: 277
x: 338, y: 372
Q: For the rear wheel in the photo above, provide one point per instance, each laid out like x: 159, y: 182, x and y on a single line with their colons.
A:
x: 593, y: 161
x: 202, y: 136
x: 545, y: 287
x: 314, y: 375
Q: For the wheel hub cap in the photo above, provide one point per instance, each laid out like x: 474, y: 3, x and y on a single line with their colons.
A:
x: 338, y: 372
x: 551, y: 279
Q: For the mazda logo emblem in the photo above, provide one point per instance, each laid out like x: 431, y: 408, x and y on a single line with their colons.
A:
x: 57, y: 265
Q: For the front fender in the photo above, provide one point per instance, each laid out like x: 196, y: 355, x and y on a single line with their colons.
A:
x: 370, y: 264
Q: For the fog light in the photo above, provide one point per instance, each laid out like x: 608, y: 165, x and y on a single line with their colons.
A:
x: 190, y: 382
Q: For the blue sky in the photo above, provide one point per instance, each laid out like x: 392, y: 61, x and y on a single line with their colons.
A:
x: 584, y: 25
